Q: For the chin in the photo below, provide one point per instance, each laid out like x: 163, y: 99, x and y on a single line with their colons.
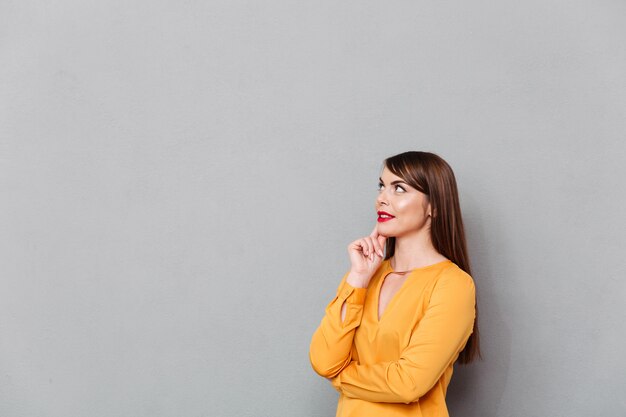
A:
x: 386, y: 234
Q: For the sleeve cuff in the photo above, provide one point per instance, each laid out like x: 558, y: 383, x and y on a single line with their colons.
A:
x: 350, y: 294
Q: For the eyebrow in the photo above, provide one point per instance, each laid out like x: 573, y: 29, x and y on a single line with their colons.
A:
x: 392, y: 182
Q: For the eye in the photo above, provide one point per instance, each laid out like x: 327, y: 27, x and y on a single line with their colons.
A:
x: 380, y: 186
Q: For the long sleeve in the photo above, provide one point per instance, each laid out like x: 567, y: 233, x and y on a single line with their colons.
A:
x: 434, y: 345
x: 331, y: 344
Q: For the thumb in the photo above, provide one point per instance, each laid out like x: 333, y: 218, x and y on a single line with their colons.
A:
x: 381, y: 239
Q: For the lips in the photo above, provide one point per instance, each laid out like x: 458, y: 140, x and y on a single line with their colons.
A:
x: 383, y: 216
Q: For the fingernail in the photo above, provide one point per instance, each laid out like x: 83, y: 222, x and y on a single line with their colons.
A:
x: 380, y: 253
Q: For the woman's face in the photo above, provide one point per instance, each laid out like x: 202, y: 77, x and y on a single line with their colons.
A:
x: 409, y: 207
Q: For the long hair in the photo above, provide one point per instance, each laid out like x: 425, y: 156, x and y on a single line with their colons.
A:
x: 431, y: 175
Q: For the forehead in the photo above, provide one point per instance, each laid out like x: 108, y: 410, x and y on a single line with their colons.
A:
x: 388, y: 176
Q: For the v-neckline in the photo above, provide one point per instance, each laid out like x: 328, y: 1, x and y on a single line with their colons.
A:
x: 389, y: 270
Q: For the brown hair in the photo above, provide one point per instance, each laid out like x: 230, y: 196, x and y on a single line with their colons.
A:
x: 431, y: 175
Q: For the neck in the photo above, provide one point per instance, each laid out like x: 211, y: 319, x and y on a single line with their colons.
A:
x: 415, y: 251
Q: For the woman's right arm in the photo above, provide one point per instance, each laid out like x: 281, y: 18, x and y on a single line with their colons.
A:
x: 331, y: 345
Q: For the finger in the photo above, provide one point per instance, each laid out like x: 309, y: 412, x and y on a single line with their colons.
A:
x: 380, y: 239
x: 373, y: 242
x: 363, y: 246
x: 356, y: 246
x: 374, y: 246
x: 368, y: 247
x: 380, y: 248
x: 371, y: 247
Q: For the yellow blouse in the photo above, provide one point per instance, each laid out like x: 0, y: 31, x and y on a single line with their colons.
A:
x: 400, y: 365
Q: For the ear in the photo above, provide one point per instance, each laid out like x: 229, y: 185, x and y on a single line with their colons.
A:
x: 431, y: 212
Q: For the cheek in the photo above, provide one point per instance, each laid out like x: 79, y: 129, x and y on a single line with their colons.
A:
x: 403, y: 205
x: 409, y: 207
x: 411, y: 212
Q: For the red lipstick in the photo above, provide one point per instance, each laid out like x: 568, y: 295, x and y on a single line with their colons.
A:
x: 383, y: 216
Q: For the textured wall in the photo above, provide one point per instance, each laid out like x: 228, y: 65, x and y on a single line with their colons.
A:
x: 180, y: 180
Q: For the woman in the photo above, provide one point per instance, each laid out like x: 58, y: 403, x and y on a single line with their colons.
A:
x: 404, y: 314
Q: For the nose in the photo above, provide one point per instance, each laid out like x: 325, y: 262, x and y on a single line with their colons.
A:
x: 381, y: 199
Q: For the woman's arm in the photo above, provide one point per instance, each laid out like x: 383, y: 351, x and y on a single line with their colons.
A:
x: 434, y: 344
x: 331, y: 344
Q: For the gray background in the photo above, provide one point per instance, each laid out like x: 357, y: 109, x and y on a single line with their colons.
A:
x: 180, y: 181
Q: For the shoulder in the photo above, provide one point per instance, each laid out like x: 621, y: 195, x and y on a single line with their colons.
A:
x: 454, y: 291
x: 455, y: 279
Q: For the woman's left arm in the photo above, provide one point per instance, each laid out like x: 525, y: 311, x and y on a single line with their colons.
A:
x: 435, y: 343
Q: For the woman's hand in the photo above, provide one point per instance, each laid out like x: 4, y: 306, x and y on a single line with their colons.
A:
x: 366, y: 255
